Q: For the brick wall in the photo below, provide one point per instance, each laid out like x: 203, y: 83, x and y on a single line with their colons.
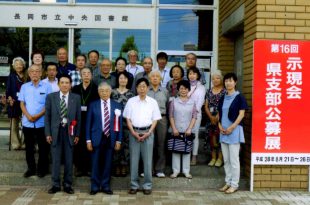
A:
x: 281, y: 178
x: 265, y: 19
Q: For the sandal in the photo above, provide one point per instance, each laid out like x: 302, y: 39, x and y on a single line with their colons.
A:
x: 231, y: 190
x: 212, y: 163
x: 224, y: 188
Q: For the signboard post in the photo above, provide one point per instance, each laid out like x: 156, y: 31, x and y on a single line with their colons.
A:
x: 281, y: 104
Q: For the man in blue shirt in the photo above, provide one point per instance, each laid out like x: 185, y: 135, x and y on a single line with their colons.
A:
x: 32, y: 102
x: 63, y: 66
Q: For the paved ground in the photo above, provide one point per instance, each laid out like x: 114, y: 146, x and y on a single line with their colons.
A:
x: 39, y: 196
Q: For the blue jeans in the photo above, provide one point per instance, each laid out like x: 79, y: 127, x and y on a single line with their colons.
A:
x: 144, y: 149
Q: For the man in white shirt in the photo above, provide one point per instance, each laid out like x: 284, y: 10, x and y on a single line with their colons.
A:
x: 162, y: 60
x: 142, y: 113
x: 132, y: 67
x: 51, y: 79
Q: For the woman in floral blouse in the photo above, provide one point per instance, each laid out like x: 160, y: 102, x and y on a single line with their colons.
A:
x: 213, y: 97
x: 121, y: 94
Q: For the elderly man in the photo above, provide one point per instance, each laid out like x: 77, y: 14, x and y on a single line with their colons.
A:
x: 162, y: 60
x: 62, y: 130
x: 147, y: 66
x: 63, y: 66
x: 141, y: 113
x: 88, y: 92
x: 51, y: 79
x: 32, y: 102
x: 161, y: 95
x: 133, y: 67
x: 103, y: 135
x: 93, y: 58
x: 105, y: 75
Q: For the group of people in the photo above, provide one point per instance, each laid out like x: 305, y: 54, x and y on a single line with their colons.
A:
x: 102, y: 121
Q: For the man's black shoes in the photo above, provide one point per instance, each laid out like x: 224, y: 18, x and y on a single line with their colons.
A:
x: 53, y: 190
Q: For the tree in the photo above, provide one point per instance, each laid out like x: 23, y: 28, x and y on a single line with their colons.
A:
x: 128, y: 45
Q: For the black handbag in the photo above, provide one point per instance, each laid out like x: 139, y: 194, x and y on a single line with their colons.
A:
x: 181, y: 144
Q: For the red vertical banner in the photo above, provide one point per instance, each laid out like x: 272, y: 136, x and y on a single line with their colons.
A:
x: 281, y: 102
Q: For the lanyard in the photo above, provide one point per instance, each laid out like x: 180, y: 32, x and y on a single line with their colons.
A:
x: 84, y: 100
x: 162, y: 81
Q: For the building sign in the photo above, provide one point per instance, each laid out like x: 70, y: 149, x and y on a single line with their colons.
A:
x: 281, y: 103
x: 76, y: 16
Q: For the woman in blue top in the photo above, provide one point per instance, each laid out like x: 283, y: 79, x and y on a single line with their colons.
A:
x: 231, y: 109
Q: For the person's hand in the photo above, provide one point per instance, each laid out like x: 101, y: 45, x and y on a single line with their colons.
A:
x: 188, y: 132
x: 144, y: 136
x: 49, y: 139
x: 76, y: 140
x: 222, y: 130
x: 11, y: 101
x: 35, y: 117
x: 136, y: 135
x: 117, y: 146
x: 30, y: 118
x: 230, y: 129
x: 89, y: 146
x: 175, y: 132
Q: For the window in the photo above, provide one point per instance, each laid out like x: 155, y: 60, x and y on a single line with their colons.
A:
x: 116, y: 1
x: 128, y: 39
x: 196, y: 2
x: 86, y: 40
x: 185, y: 30
x: 48, y: 40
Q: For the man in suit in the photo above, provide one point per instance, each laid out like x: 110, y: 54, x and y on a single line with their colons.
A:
x: 103, y: 135
x: 62, y: 130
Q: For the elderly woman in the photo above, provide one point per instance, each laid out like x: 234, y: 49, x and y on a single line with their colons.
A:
x: 177, y: 74
x: 15, y: 80
x: 182, y: 116
x: 231, y: 109
x: 160, y: 94
x: 197, y: 94
x: 213, y: 97
x: 88, y: 92
x: 121, y: 94
x: 120, y: 65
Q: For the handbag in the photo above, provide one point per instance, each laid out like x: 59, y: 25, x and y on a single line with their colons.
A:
x: 181, y: 144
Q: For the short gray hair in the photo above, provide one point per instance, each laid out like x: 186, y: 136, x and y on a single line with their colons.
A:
x: 154, y: 72
x: 132, y: 52
x: 20, y: 59
x: 104, y: 84
x: 217, y: 73
x: 34, y: 65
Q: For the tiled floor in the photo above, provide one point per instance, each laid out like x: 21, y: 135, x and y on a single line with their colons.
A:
x: 39, y: 196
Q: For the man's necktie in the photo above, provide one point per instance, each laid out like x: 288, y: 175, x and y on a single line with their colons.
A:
x: 63, y: 110
x: 106, y: 118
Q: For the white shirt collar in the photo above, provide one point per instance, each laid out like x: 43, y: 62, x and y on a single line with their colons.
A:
x: 108, y: 101
x: 61, y: 94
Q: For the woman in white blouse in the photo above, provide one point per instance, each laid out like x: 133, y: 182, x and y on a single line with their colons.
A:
x: 197, y: 93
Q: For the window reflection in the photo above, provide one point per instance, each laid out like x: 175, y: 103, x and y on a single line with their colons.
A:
x: 48, y: 40
x: 199, y: 2
x: 186, y: 30
x: 86, y: 40
x: 43, y: 1
x: 128, y: 39
x: 14, y: 42
x: 116, y: 1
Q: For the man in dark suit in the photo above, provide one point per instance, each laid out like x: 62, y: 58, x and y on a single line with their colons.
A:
x: 62, y: 130
x: 103, y: 135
